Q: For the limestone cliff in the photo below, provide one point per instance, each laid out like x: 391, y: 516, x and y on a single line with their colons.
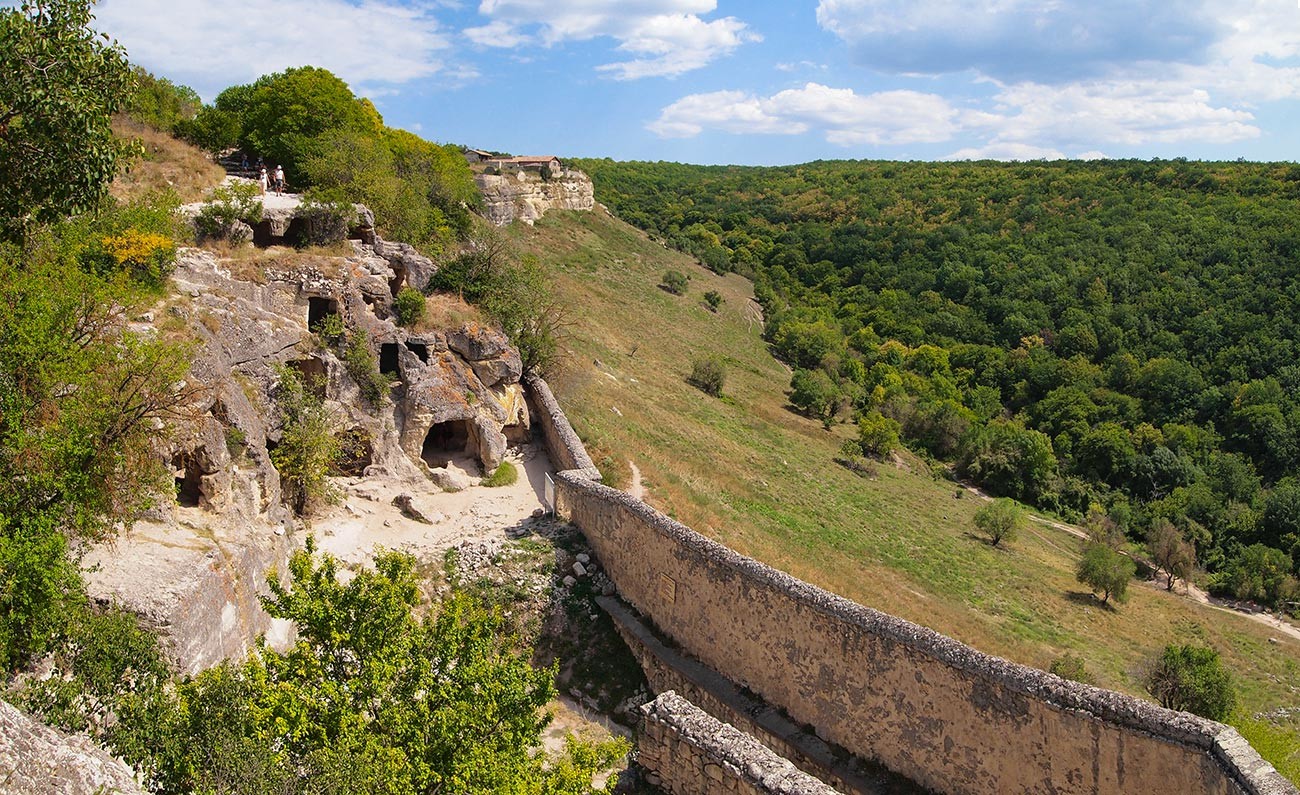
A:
x: 526, y: 196
x: 37, y: 760
x: 195, y: 565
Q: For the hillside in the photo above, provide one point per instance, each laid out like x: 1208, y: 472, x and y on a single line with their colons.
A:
x: 755, y: 475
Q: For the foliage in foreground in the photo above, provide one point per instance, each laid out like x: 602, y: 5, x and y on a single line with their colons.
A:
x: 62, y: 83
x: 1192, y: 679
x: 371, y: 699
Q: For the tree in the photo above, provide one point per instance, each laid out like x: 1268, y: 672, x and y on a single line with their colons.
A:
x: 1009, y: 459
x: 1105, y: 571
x: 1259, y: 573
x: 82, y: 399
x: 675, y: 282
x: 708, y: 375
x: 1000, y: 520
x: 1172, y: 554
x: 369, y: 699
x: 62, y: 83
x: 307, y: 448
x: 815, y: 394
x: 714, y: 299
x: 1192, y: 679
x: 877, y: 434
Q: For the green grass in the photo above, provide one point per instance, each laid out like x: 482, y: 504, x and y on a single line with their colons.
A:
x: 754, y: 475
x: 506, y: 474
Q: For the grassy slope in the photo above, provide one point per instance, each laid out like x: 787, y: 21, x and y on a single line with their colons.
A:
x: 748, y: 472
x: 167, y: 163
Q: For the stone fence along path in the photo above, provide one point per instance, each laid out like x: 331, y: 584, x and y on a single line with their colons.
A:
x: 942, y: 714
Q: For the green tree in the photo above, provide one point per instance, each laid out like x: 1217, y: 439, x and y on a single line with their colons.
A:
x: 371, y: 699
x: 62, y: 83
x: 1172, y: 554
x: 307, y: 448
x: 1009, y: 459
x: 1192, y: 679
x: 877, y: 434
x: 1259, y: 573
x: 160, y: 103
x: 815, y: 394
x: 675, y: 282
x: 714, y: 299
x: 80, y: 397
x: 1105, y: 571
x: 1000, y: 520
x: 708, y: 374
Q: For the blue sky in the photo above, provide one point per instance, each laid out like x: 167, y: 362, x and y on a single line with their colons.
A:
x: 771, y: 81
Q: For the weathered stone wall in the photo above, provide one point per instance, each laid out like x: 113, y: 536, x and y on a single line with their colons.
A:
x: 929, y: 708
x: 690, y: 752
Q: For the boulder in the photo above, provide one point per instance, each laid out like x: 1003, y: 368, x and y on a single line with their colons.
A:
x: 36, y: 760
x: 403, y: 503
x: 449, y: 478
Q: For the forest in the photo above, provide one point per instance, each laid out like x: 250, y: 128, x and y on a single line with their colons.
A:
x: 1111, y: 341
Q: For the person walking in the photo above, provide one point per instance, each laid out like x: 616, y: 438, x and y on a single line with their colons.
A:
x: 279, y: 180
x: 261, y: 180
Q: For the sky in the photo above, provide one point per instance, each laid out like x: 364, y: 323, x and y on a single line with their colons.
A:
x: 770, y: 82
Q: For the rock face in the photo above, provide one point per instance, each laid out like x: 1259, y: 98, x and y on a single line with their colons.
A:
x: 38, y: 760
x: 195, y: 567
x: 526, y: 196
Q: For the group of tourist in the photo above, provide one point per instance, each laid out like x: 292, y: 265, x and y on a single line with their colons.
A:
x: 274, y: 182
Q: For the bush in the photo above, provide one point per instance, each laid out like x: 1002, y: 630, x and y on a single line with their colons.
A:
x: 408, y: 306
x: 707, y: 375
x: 1106, y: 571
x: 877, y: 434
x: 363, y: 365
x: 147, y: 256
x: 1071, y: 667
x: 307, y: 449
x: 330, y: 329
x: 999, y: 520
x: 237, y: 201
x: 675, y: 282
x: 324, y: 223
x: 714, y: 299
x: 505, y: 475
x: 1192, y: 679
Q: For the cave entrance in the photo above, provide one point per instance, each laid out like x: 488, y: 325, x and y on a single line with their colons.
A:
x: 318, y: 309
x: 388, y: 362
x: 399, y: 278
x: 420, y: 350
x: 516, y: 434
x: 445, y: 441
x: 356, y: 452
x: 263, y: 236
x: 189, y: 480
x: 296, y: 234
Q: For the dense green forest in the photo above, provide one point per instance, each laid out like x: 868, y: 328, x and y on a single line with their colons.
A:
x: 1117, y: 338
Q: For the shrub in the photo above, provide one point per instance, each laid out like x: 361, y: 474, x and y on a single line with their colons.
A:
x: 714, y: 299
x: 708, y: 375
x: 363, y: 365
x: 307, y: 449
x: 212, y: 130
x: 999, y: 520
x: 409, y: 306
x: 675, y: 282
x: 1068, y: 666
x: 237, y: 201
x: 1106, y: 571
x: 1192, y: 679
x: 324, y: 223
x: 330, y: 329
x: 148, y: 256
x: 505, y: 475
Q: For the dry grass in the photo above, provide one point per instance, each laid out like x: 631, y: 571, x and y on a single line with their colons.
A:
x: 168, y: 164
x: 446, y: 312
x: 249, y: 263
x: 747, y: 471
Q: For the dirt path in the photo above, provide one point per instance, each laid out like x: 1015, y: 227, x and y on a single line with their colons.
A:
x: 1189, y: 591
x: 636, y: 488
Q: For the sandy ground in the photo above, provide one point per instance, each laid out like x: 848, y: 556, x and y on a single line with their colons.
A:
x: 366, y: 518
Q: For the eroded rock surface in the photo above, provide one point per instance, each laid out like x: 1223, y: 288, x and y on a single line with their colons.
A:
x: 526, y: 196
x: 38, y: 760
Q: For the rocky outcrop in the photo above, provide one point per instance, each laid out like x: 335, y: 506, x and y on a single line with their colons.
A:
x: 38, y: 760
x: 195, y: 566
x: 526, y: 196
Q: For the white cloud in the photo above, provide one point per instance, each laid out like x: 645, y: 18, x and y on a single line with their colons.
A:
x: 1006, y: 151
x: 843, y: 116
x: 213, y: 45
x: 664, y: 37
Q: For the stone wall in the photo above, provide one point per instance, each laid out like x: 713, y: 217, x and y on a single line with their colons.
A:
x: 692, y: 753
x: 927, y: 707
